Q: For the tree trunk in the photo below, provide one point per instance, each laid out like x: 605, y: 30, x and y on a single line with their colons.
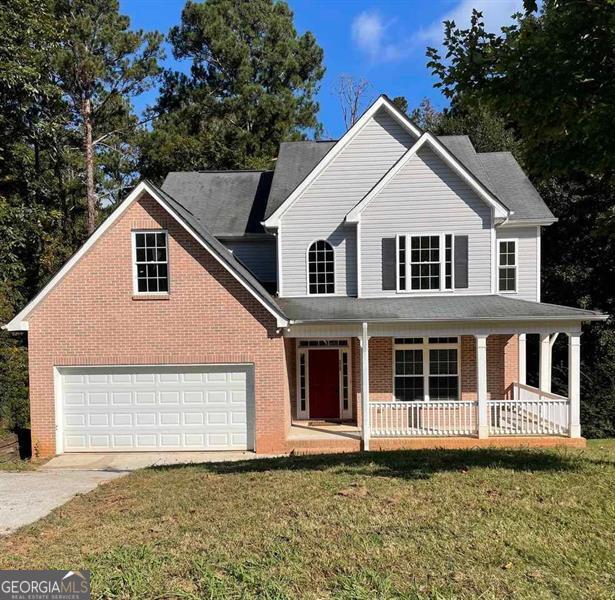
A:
x: 88, y: 151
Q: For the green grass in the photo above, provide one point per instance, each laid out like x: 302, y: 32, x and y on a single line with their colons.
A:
x: 15, y: 464
x: 409, y: 524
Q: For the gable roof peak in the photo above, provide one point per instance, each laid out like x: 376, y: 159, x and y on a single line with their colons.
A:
x: 382, y: 102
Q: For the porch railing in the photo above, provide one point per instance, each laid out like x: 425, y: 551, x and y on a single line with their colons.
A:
x: 530, y: 412
x: 421, y: 418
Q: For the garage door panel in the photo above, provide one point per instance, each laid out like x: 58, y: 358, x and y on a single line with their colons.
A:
x: 156, y: 408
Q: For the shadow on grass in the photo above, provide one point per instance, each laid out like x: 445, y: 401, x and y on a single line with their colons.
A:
x: 406, y: 464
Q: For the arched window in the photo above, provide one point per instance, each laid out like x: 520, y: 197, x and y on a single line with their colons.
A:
x: 321, y: 268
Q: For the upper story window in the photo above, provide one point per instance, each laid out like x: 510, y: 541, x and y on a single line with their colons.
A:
x: 507, y: 265
x: 151, y: 262
x: 321, y: 268
x: 425, y: 262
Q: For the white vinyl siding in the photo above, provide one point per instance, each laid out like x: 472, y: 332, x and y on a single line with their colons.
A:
x: 257, y: 255
x: 425, y: 197
x: 528, y: 268
x: 320, y: 211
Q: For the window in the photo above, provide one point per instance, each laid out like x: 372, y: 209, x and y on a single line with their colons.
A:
x: 428, y: 263
x: 322, y: 343
x: 302, y: 380
x: 426, y: 369
x: 151, y: 262
x: 507, y: 265
x: 345, y: 381
x: 321, y: 268
x: 409, y: 375
x: 443, y: 379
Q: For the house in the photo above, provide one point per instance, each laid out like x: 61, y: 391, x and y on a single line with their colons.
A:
x: 250, y: 310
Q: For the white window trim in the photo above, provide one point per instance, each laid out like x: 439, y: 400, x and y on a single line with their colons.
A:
x: 442, y: 250
x: 305, y: 414
x: 135, y: 283
x: 307, y: 269
x: 515, y: 266
x: 425, y: 347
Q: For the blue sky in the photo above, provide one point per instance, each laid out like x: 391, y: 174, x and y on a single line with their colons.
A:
x: 381, y: 41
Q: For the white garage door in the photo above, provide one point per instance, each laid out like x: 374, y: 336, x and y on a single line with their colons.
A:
x: 156, y: 408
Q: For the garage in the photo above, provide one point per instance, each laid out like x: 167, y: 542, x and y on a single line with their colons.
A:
x: 123, y: 409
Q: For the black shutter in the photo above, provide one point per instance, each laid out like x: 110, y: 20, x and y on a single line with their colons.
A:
x: 388, y: 264
x: 461, y: 261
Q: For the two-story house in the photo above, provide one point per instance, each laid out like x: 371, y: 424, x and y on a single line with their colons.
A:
x: 375, y: 291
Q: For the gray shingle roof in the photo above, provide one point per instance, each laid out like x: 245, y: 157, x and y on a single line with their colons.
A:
x: 230, y: 202
x: 433, y: 308
x: 511, y: 185
x: 502, y: 175
x: 219, y: 249
x: 233, y: 203
x: 294, y: 163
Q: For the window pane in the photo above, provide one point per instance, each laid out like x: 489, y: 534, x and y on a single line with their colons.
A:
x: 409, y: 340
x: 321, y: 268
x: 444, y: 388
x: 425, y: 263
x: 507, y: 279
x: 443, y: 362
x: 408, y: 362
x: 408, y: 389
x: 443, y: 340
x: 152, y: 261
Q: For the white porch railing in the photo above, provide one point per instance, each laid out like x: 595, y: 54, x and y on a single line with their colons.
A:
x: 531, y: 412
x: 419, y: 418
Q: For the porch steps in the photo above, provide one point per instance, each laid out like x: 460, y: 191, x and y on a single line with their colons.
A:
x: 322, y: 446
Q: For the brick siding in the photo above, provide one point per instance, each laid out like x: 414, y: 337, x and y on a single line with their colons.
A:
x: 91, y: 318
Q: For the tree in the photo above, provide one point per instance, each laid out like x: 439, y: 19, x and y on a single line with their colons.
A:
x: 252, y: 84
x: 100, y: 65
x: 352, y: 95
x: 401, y: 102
x: 544, y: 78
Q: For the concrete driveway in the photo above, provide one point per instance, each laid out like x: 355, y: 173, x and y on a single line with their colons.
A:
x: 28, y: 496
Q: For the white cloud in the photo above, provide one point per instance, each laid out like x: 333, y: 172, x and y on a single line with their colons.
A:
x: 496, y: 13
x: 371, y: 34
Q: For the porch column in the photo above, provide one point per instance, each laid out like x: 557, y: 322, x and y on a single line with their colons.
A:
x: 522, y: 359
x: 481, y: 385
x: 545, y: 362
x: 364, y: 342
x: 574, y: 383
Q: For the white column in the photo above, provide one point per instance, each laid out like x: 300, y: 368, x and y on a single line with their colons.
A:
x: 545, y: 362
x: 574, y: 383
x: 364, y: 341
x: 522, y: 359
x: 481, y: 385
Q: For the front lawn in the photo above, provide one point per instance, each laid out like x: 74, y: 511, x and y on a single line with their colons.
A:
x: 411, y: 524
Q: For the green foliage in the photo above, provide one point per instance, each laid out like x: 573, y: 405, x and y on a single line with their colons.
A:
x: 544, y: 90
x: 252, y: 84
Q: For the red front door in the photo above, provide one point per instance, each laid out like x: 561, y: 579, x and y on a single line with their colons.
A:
x: 324, y: 382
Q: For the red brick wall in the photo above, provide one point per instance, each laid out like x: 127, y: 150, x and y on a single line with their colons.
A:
x: 502, y: 365
x: 90, y: 317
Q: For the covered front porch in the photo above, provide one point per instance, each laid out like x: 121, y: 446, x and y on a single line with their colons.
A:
x: 434, y: 383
